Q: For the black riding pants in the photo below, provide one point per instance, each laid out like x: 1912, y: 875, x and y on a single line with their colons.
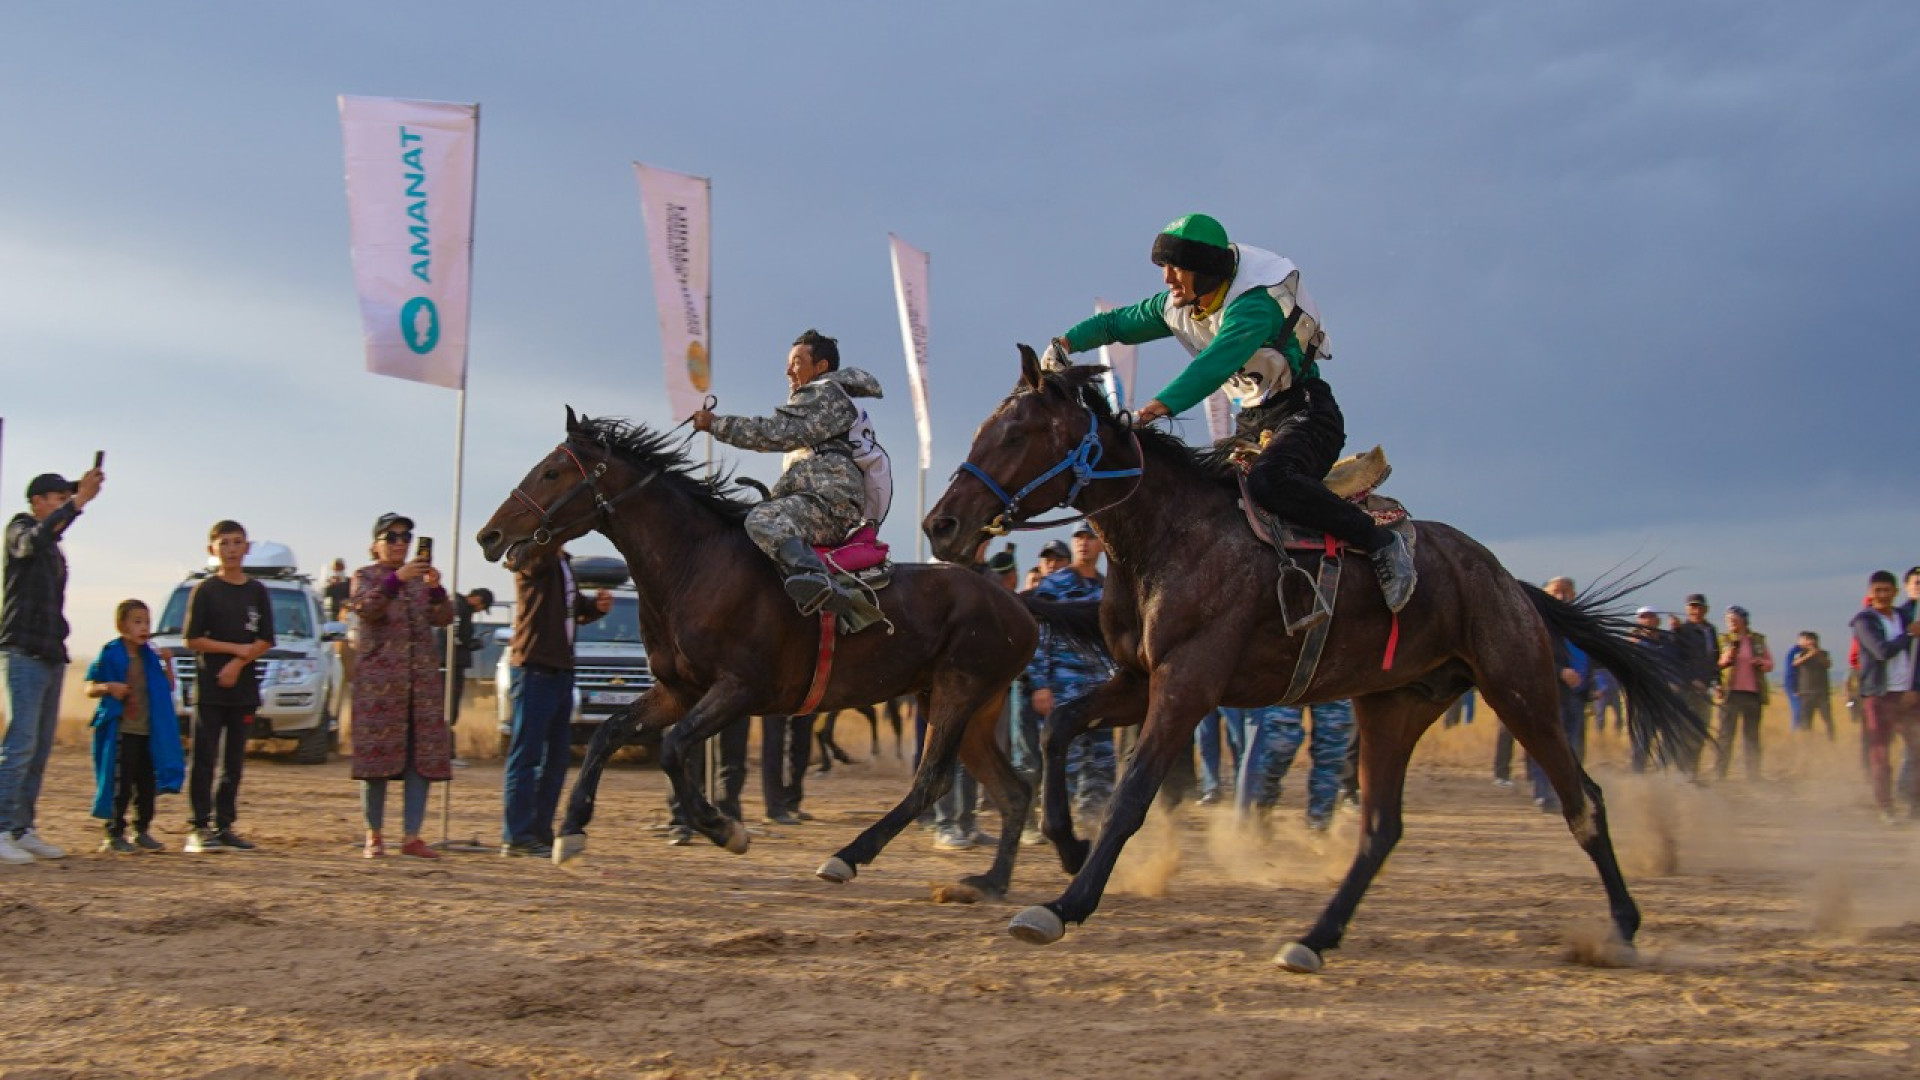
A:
x: 1288, y: 479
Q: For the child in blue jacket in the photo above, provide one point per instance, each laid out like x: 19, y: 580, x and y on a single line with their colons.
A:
x: 136, y: 735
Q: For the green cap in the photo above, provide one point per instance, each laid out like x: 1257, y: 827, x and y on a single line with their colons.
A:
x: 1195, y: 242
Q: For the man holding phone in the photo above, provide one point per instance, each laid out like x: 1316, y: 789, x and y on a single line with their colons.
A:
x: 33, y: 652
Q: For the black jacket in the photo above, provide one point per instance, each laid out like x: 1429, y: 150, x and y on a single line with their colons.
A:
x: 33, y: 616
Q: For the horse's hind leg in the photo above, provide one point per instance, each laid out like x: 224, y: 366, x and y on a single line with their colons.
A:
x: 1121, y: 701
x: 946, y: 725
x: 1534, y: 718
x: 656, y: 708
x: 1387, y: 725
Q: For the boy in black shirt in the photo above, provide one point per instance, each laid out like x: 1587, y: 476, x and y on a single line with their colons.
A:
x: 229, y: 627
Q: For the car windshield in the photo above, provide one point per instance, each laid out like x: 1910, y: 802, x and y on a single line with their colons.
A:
x: 292, y: 613
x: 621, y: 626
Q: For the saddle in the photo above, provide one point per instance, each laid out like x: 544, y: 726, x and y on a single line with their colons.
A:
x: 861, y: 565
x: 1354, y: 478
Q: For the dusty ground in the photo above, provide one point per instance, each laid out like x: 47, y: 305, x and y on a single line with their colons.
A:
x: 1785, y: 942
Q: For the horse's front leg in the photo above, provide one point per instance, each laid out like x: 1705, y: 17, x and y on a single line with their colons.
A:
x: 1121, y: 701
x: 722, y: 704
x: 656, y: 708
x: 1175, y: 706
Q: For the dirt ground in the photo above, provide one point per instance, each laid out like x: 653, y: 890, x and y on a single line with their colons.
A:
x: 1782, y: 937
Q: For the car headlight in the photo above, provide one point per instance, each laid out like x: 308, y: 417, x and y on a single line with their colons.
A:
x: 293, y: 671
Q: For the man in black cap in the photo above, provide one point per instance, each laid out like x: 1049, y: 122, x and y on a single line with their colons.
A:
x: 33, y: 652
x: 1697, y: 645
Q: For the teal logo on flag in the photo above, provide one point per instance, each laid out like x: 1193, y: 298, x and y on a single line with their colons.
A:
x: 420, y: 325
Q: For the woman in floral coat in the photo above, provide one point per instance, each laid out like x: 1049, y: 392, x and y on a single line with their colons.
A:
x: 399, y: 722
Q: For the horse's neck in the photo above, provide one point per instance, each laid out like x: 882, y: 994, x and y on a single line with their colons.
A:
x: 669, y: 542
x: 1144, y: 528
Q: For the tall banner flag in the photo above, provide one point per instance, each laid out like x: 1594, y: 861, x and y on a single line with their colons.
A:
x: 1122, y: 363
x: 1219, y: 416
x: 410, y: 175
x: 677, y: 209
x: 910, y: 289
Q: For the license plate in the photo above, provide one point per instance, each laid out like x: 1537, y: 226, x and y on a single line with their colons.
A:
x: 614, y: 697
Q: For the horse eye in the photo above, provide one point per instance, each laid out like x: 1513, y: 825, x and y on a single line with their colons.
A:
x: 549, y: 474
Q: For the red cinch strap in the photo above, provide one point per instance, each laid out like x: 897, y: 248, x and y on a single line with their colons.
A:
x: 1393, y: 642
x: 823, y: 669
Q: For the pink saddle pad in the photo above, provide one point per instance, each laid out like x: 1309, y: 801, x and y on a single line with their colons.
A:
x: 862, y: 550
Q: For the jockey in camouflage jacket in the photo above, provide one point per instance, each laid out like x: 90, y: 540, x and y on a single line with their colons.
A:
x: 1241, y: 314
x: 823, y: 494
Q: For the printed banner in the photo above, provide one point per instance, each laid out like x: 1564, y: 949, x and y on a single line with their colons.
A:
x: 1219, y: 416
x: 410, y: 173
x: 677, y: 209
x: 1122, y: 363
x: 910, y: 289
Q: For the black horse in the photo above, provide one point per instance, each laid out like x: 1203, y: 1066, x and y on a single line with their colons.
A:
x: 1190, y: 619
x: 724, y: 641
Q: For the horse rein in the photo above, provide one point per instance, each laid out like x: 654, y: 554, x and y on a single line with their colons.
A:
x: 543, y: 533
x: 1081, y: 461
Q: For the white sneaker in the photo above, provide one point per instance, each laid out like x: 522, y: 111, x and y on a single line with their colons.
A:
x: 31, y: 843
x: 11, y: 852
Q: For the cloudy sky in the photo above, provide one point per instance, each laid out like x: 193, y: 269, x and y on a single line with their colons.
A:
x: 1613, y: 282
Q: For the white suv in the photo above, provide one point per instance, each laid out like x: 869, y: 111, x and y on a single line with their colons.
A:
x: 302, y: 685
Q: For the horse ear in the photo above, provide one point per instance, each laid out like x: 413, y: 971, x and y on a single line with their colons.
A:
x: 573, y: 422
x: 1029, y: 367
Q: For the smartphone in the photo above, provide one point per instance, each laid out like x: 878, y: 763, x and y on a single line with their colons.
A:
x: 99, y: 458
x: 423, y: 549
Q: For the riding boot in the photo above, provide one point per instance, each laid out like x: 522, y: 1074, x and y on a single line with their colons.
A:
x: 1393, y: 564
x: 808, y: 581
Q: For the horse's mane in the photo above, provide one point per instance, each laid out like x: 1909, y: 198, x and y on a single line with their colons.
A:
x: 644, y: 448
x: 1081, y: 383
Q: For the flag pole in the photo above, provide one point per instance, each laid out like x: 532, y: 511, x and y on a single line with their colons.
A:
x: 456, y: 678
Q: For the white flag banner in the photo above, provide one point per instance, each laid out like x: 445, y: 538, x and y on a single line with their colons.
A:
x: 677, y: 209
x: 910, y: 289
x: 410, y: 172
x: 1122, y: 363
x: 1219, y: 416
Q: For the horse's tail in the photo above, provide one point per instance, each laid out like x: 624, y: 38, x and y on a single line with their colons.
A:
x: 1076, y: 621
x: 1657, y: 714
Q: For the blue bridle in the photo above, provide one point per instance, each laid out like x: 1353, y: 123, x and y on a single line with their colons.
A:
x: 1080, y: 461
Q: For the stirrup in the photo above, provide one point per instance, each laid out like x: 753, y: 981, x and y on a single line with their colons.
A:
x: 1319, y: 611
x: 809, y: 591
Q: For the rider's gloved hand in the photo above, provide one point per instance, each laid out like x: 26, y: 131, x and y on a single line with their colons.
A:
x: 1056, y: 358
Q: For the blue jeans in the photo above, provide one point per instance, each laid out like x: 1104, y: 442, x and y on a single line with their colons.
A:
x: 1208, y: 736
x: 33, y: 711
x: 537, y: 755
x: 413, y: 804
x: 1274, y: 735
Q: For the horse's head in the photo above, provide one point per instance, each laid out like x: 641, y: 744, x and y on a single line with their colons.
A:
x: 556, y: 501
x: 1038, y: 451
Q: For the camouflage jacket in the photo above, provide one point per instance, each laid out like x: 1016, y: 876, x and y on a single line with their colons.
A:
x: 812, y: 429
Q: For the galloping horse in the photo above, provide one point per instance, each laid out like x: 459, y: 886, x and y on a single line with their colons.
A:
x: 1191, y: 620
x: 724, y: 641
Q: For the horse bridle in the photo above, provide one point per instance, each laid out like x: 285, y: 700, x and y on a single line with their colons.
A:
x: 544, y: 532
x: 1081, y: 461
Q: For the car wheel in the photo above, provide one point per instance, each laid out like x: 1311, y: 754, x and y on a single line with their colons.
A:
x: 313, y: 744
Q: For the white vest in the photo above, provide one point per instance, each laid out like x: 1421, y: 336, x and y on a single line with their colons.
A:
x: 876, y: 468
x: 1267, y: 373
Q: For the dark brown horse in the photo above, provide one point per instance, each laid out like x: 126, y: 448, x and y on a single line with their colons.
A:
x: 724, y: 641
x: 1191, y: 620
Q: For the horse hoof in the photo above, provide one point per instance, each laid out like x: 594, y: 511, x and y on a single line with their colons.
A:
x: 836, y: 870
x: 569, y: 849
x: 1294, y: 956
x: 737, y: 839
x: 1037, y: 925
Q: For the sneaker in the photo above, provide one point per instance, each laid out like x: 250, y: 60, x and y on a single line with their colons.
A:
x: 115, y: 844
x: 13, y: 853
x: 525, y: 850
x: 234, y: 841
x: 783, y: 817
x: 375, y: 848
x: 679, y: 836
x: 803, y: 815
x: 1319, y: 822
x: 1031, y: 836
x: 1501, y: 781
x: 203, y: 842
x: 951, y: 839
x: 31, y: 843
x: 417, y: 848
x: 983, y: 839
x: 145, y: 842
